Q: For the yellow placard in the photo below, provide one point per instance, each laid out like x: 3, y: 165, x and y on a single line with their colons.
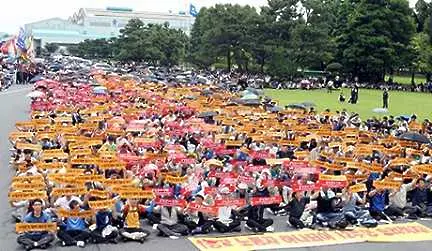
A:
x: 135, y: 193
x: 29, y: 186
x: 425, y: 168
x: 68, y: 191
x: 117, y: 182
x: 101, y: 204
x: 17, y: 196
x: 35, y: 227
x: 74, y: 213
x: 26, y: 146
x: 83, y: 161
x: 175, y: 180
x: 33, y: 178
x: 332, y: 177
x: 358, y: 188
x: 111, y: 165
x: 98, y: 193
x: 387, y: 184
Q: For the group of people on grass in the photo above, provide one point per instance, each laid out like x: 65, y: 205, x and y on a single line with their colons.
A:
x: 136, y: 159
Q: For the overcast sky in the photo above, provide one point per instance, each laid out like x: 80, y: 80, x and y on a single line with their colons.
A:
x: 35, y: 10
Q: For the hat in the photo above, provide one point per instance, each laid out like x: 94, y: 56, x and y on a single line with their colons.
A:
x: 200, y: 194
x: 224, y: 190
x: 242, y: 186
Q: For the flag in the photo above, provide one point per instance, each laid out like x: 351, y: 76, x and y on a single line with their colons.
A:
x: 192, y: 10
x: 20, y: 41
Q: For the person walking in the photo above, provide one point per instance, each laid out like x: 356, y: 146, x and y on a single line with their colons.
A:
x: 385, y: 98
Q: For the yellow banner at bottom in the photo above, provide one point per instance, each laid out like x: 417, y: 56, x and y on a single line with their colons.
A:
x: 310, y: 238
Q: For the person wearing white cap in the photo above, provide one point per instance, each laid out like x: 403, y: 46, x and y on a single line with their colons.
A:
x: 226, y: 219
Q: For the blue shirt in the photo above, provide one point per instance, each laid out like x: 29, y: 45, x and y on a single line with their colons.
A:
x: 103, y: 219
x: 43, y: 218
x: 73, y: 223
x: 31, y: 218
x: 378, y: 202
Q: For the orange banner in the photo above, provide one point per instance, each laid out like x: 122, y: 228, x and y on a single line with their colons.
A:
x: 35, y: 227
x: 312, y: 238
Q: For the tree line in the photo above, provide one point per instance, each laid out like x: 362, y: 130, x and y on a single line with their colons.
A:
x: 359, y: 38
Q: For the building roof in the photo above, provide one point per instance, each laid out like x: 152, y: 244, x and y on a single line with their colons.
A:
x: 125, y: 13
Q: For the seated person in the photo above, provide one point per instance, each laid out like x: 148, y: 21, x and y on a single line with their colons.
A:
x: 353, y: 213
x: 104, y: 232
x: 398, y: 201
x: 419, y: 200
x: 196, y: 221
x: 377, y: 204
x: 132, y: 227
x: 169, y: 224
x: 297, y: 206
x: 328, y: 213
x: 32, y: 240
x: 226, y: 219
x: 256, y: 221
x: 74, y: 231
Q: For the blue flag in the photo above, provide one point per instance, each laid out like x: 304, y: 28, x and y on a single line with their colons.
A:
x: 192, y: 10
x: 20, y: 41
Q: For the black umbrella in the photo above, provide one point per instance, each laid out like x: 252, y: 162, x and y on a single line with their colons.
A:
x: 250, y: 102
x: 36, y: 78
x: 414, y: 136
x: 296, y: 106
x: 308, y: 104
x: 207, y: 114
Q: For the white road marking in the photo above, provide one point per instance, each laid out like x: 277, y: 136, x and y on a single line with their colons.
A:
x: 15, y: 91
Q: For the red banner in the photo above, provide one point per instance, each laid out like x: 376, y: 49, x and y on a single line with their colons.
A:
x: 247, y: 180
x: 251, y: 168
x: 304, y: 187
x: 266, y: 200
x: 230, y: 202
x: 204, y: 209
x: 163, y: 191
x: 170, y: 202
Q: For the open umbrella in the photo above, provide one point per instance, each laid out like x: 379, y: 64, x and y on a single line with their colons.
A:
x: 250, y: 102
x: 308, y: 104
x: 99, y: 90
x: 249, y: 97
x: 380, y: 110
x: 276, y: 109
x: 296, y: 106
x: 36, y: 78
x: 207, y: 114
x: 35, y: 94
x: 416, y: 137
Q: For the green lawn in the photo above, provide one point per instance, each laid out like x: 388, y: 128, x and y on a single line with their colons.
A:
x: 400, y: 103
x: 406, y: 80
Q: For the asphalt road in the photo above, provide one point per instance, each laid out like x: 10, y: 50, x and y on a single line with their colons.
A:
x: 14, y: 106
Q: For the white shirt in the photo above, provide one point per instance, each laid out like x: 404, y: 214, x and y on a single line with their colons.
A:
x: 63, y: 202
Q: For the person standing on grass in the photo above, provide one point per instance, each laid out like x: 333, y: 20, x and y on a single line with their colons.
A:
x: 385, y: 98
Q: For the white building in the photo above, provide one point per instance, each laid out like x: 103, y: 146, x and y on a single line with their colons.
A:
x: 88, y: 23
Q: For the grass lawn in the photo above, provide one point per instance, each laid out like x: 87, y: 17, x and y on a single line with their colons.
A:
x: 406, y: 80
x: 400, y: 103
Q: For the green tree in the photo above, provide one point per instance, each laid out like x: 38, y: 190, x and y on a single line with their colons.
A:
x: 223, y: 31
x: 422, y: 55
x: 153, y: 43
x: 375, y: 37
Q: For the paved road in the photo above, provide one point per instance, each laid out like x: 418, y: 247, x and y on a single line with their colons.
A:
x: 14, y: 106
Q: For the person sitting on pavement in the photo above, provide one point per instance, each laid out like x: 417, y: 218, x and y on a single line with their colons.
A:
x: 32, y: 240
